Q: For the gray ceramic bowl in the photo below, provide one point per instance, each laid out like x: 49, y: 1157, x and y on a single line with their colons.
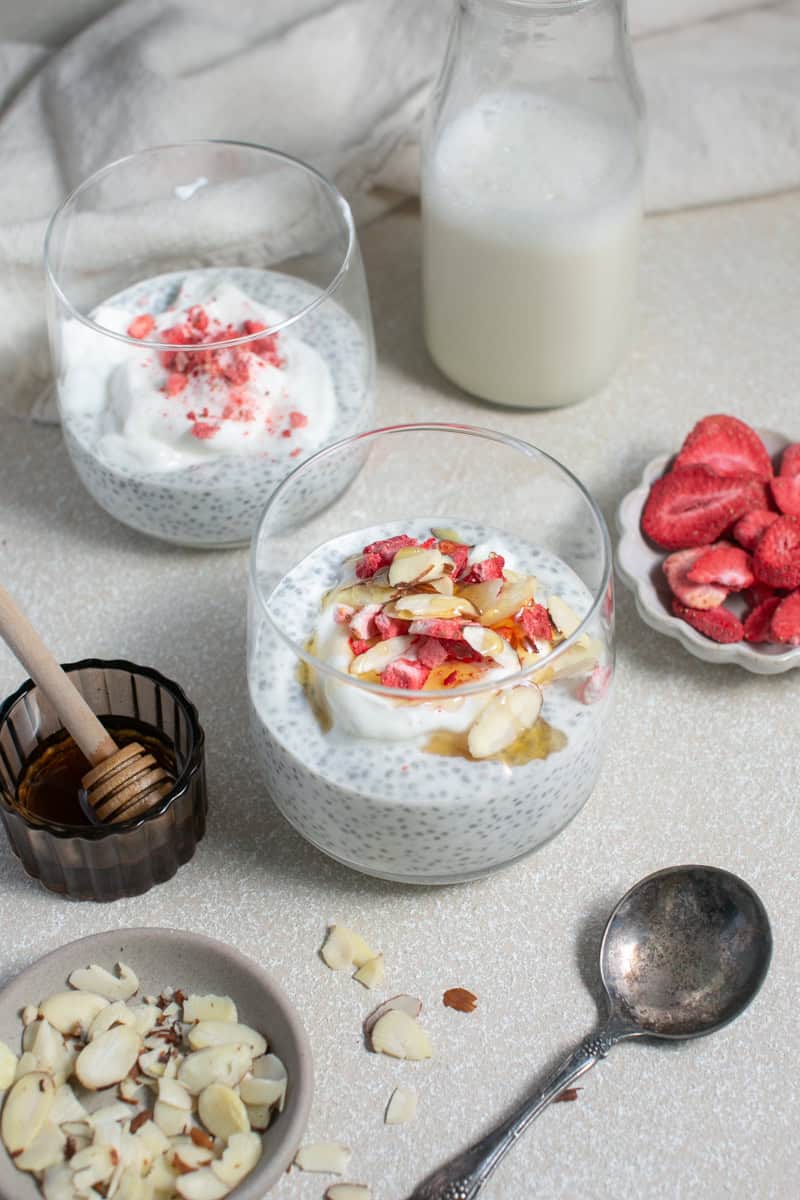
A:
x: 174, y: 958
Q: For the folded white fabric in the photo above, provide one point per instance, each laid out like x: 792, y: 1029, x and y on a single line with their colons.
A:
x: 343, y: 84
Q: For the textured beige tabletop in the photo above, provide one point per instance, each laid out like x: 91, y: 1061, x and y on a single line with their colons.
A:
x: 702, y: 767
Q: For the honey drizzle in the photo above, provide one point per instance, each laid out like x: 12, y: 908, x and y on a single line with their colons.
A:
x: 539, y: 742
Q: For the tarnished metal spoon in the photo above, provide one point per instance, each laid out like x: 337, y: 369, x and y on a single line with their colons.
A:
x: 683, y: 953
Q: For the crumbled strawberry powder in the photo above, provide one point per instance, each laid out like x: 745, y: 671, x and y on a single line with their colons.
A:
x: 204, y: 430
x: 298, y: 420
x: 405, y: 673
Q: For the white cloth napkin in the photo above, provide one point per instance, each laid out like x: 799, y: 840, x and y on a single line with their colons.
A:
x: 343, y: 84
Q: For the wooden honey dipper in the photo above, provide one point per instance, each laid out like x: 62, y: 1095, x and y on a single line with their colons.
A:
x: 122, y: 783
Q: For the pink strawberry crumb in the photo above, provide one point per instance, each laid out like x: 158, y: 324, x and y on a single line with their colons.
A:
x: 363, y: 621
x: 405, y: 673
x: 175, y: 383
x: 438, y: 627
x: 204, y: 430
x: 140, y: 326
x: 389, y: 627
x: 297, y: 420
x: 535, y: 620
x: 431, y: 652
x: 490, y: 568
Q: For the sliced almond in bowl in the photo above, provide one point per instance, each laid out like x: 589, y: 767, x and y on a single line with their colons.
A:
x: 25, y: 1111
x: 209, y: 1008
x: 418, y: 605
x: 222, y: 1112
x: 238, y: 1159
x: 46, y: 1149
x: 101, y: 982
x: 201, y: 1185
x: 221, y: 1033
x: 417, y: 564
x: 217, y: 1064
x: 72, y: 1012
x: 8, y: 1066
x: 564, y: 618
x: 504, y: 718
x: 492, y: 645
x: 379, y: 656
x: 109, y: 1058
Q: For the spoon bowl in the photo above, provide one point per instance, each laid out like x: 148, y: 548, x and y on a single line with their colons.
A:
x: 684, y: 952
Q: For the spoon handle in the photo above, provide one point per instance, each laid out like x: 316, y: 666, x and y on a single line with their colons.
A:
x: 464, y: 1176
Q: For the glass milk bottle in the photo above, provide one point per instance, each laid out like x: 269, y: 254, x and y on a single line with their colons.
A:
x: 531, y: 199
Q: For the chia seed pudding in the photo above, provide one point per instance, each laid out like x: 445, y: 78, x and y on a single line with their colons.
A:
x: 500, y: 758
x: 187, y: 444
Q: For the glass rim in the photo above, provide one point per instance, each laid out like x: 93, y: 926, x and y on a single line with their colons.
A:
x: 533, y: 6
x: 435, y: 694
x: 193, y: 763
x: 328, y: 186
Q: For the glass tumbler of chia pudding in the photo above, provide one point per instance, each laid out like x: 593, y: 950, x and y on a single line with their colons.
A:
x: 431, y: 659
x: 210, y: 329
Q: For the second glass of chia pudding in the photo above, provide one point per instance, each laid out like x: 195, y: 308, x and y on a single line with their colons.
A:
x: 210, y: 329
x: 430, y: 660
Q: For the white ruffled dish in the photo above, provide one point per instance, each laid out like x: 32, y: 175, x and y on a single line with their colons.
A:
x: 639, y: 568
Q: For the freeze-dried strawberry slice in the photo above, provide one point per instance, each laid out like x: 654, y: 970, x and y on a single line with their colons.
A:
x: 404, y: 673
x: 790, y: 461
x: 786, y: 494
x: 367, y: 565
x: 724, y: 564
x: 595, y: 686
x: 388, y: 547
x: 749, y: 528
x: 677, y: 566
x: 431, y: 652
x: 490, y: 568
x: 758, y: 626
x: 438, y: 627
x: 140, y: 326
x: 719, y: 624
x: 535, y: 620
x: 786, y: 620
x: 777, y: 557
x: 359, y: 646
x: 461, y: 651
x: 727, y: 446
x: 389, y: 627
x: 363, y: 622
x: 693, y: 506
x: 458, y: 552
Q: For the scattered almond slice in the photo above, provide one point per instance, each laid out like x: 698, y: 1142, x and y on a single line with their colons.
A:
x: 417, y: 564
x: 8, y: 1066
x: 407, y: 1004
x: 402, y: 1106
x: 371, y: 974
x: 344, y: 948
x: 400, y: 1036
x: 101, y: 982
x: 379, y: 656
x: 330, y: 1158
x: 347, y: 1191
x: 564, y: 618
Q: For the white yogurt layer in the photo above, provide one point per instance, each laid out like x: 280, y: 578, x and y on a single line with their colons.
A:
x: 151, y: 416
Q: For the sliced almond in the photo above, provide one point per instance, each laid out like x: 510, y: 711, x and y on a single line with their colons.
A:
x: 145, y: 1017
x: 93, y: 1165
x: 329, y: 1158
x: 261, y: 1093
x: 101, y: 982
x: 30, y: 1013
x: 378, y: 657
x: 27, y: 1062
x: 67, y: 1106
x: 400, y: 1036
x: 8, y: 1066
x: 46, y: 1149
x: 218, y: 1064
x: 154, y: 1063
x: 49, y: 1049
x: 170, y: 1120
x: 430, y: 604
x: 72, y: 1012
x: 343, y: 947
x: 209, y: 1008
x: 260, y: 1116
x: 503, y: 719
x: 25, y: 1111
x: 565, y: 620
x: 271, y: 1069
x: 201, y: 1185
x: 371, y: 974
x: 108, y: 1113
x: 163, y: 1176
x: 109, y: 1058
x: 347, y: 1191
x: 239, y: 1158
x: 402, y: 1003
x: 402, y: 1106
x: 57, y: 1183
x: 174, y: 1093
x: 416, y: 564
x: 512, y: 597
x: 483, y: 595
x: 491, y: 645
x: 153, y: 1138
x: 131, y: 1187
x: 117, y: 1013
x: 222, y: 1111
x: 187, y: 1155
x: 221, y: 1033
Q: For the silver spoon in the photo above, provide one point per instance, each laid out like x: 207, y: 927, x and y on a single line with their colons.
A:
x: 683, y: 953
